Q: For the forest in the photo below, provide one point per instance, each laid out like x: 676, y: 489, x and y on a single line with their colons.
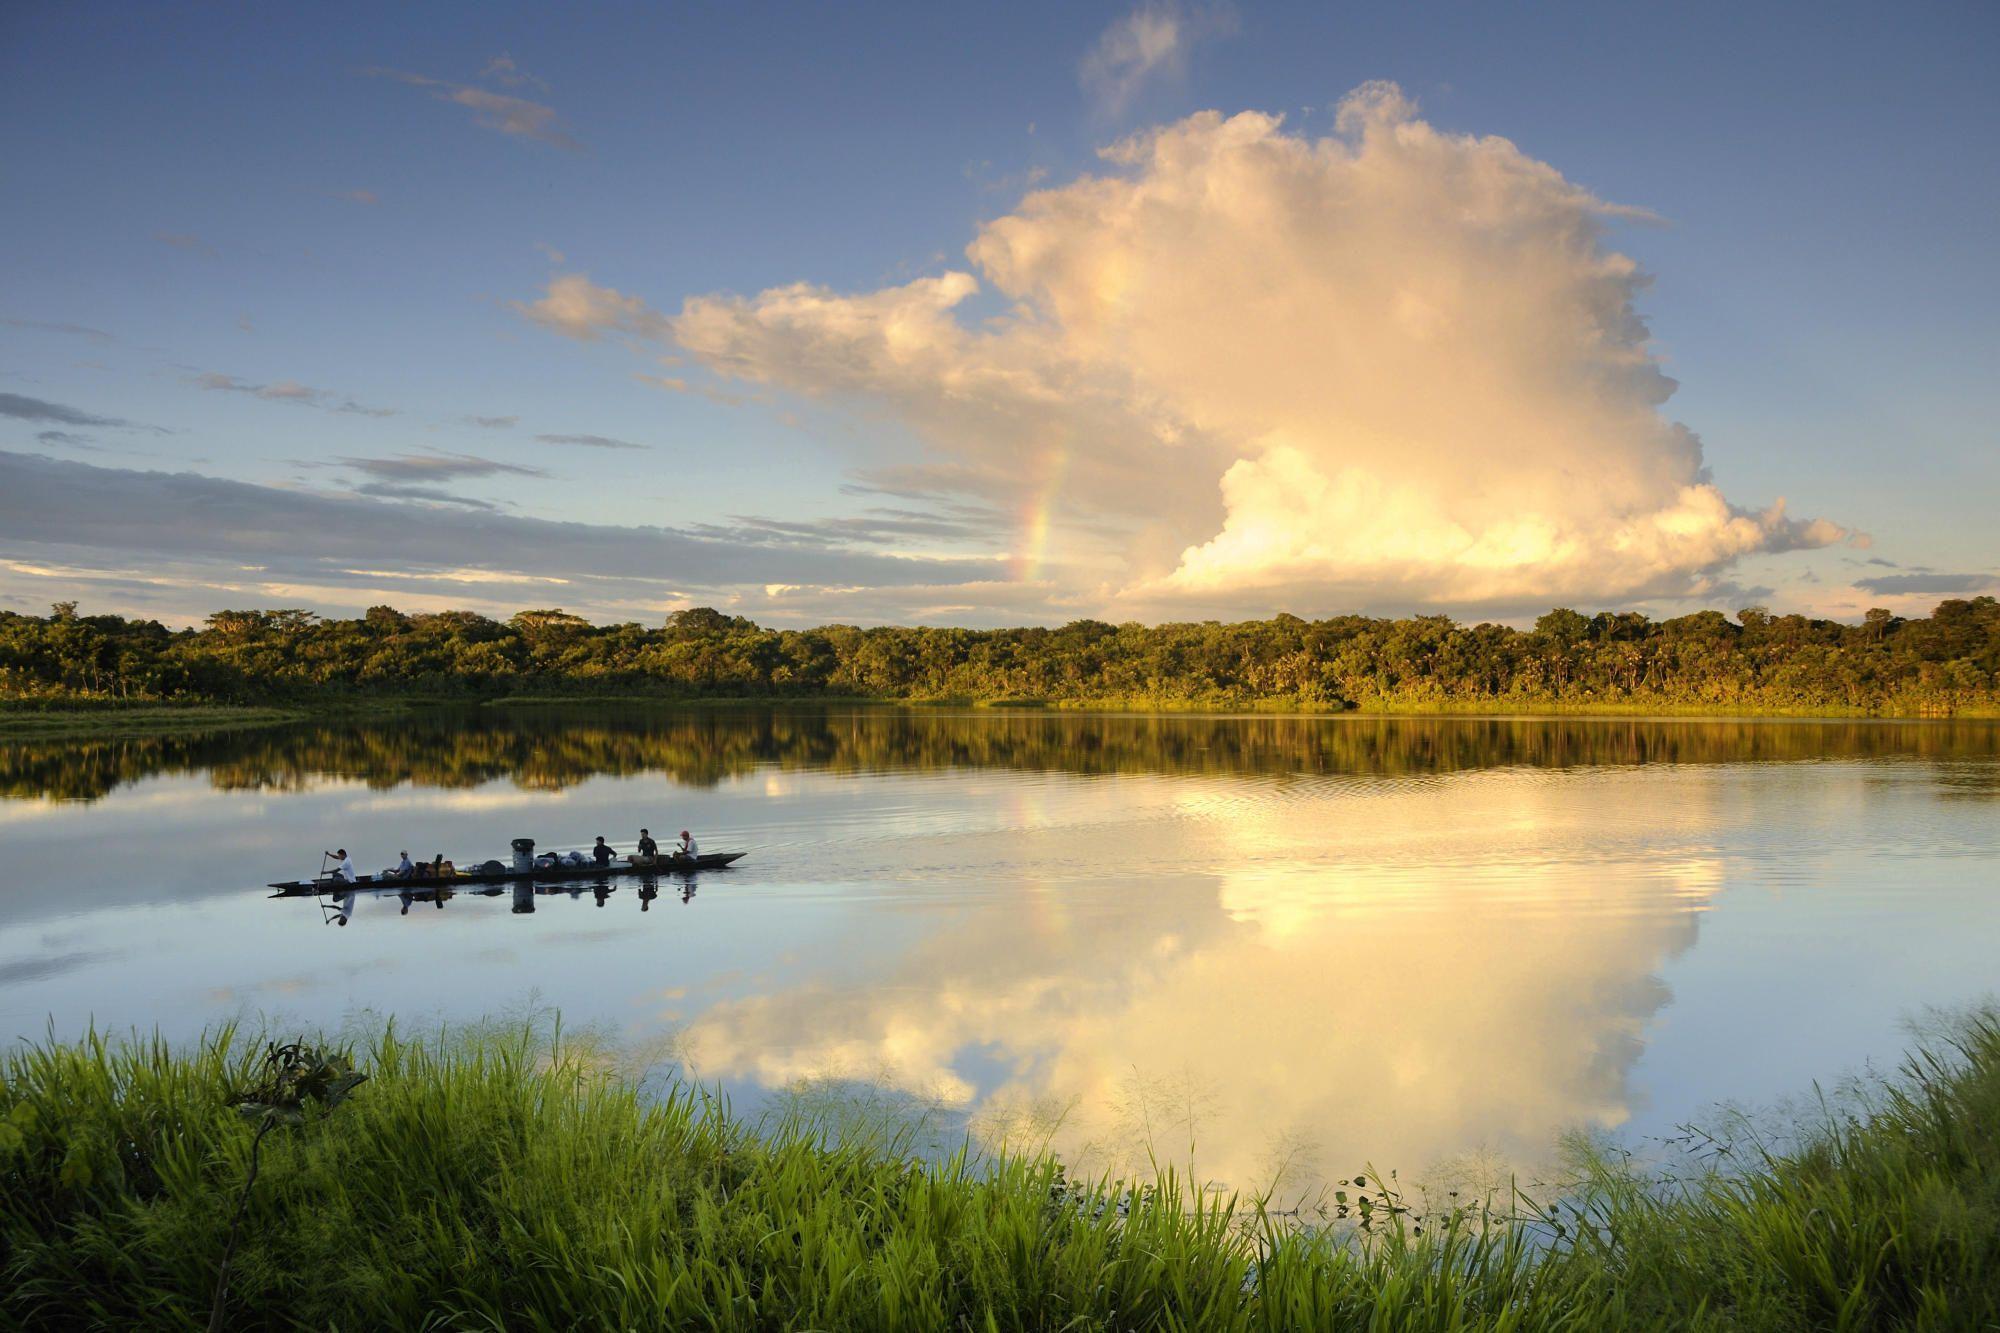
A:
x: 1944, y: 664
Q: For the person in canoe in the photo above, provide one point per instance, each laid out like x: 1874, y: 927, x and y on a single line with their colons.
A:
x: 601, y: 853
x: 687, y: 848
x: 344, y: 867
x: 405, y: 868
x: 647, y: 847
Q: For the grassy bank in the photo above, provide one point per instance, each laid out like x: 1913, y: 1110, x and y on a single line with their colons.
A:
x: 51, y: 722
x: 501, y: 1183
x: 37, y: 723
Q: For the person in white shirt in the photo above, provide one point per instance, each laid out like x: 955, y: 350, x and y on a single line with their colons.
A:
x: 345, y: 870
x: 687, y: 847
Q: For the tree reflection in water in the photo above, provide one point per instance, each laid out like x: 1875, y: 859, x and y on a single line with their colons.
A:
x: 551, y: 749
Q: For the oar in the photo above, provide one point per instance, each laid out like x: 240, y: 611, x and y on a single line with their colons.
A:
x: 324, y: 857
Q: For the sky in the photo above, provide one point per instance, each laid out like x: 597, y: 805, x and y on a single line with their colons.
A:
x: 999, y: 315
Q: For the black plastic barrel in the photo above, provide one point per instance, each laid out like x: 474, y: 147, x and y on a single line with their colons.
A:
x: 524, y: 853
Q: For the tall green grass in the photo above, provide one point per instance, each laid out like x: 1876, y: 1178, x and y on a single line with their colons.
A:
x: 521, y: 1183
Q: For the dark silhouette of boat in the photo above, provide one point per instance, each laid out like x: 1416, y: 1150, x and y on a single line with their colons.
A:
x: 494, y: 872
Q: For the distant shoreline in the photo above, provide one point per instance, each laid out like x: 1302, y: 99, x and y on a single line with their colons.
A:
x: 109, y: 719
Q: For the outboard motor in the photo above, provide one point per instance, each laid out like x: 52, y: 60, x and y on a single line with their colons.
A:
x: 524, y: 854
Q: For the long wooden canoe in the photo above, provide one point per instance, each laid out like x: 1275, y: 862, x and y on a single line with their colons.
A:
x: 659, y: 865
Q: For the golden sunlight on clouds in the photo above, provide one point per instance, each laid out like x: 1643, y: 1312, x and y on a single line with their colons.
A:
x: 1250, y: 366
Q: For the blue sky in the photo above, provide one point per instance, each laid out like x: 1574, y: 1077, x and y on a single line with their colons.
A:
x: 271, y: 244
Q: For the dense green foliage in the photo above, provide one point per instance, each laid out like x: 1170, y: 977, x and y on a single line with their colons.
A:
x: 1948, y: 662
x: 497, y: 1182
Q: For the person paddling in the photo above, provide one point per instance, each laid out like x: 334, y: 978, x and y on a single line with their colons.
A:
x: 345, y: 867
x: 687, y: 847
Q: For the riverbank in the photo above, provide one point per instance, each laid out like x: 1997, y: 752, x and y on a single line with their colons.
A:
x: 111, y: 720
x: 504, y: 1182
x: 18, y: 723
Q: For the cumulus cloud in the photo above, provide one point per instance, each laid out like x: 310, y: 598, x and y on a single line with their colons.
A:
x: 1245, y: 368
x: 1148, y: 44
x: 578, y: 308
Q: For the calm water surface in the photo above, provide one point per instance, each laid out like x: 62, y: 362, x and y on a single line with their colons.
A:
x: 1326, y: 942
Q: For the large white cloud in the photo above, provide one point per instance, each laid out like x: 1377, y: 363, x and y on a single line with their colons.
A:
x: 1249, y: 368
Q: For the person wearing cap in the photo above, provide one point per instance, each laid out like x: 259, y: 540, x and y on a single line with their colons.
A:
x: 601, y: 853
x: 687, y: 847
x: 404, y: 868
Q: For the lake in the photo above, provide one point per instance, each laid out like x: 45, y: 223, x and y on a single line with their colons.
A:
x: 1298, y: 944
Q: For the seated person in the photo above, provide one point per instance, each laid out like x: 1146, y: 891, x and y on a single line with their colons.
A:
x: 687, y: 847
x: 601, y: 853
x: 405, y: 867
x: 647, y: 847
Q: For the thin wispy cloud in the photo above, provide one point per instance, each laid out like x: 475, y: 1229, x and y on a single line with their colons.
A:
x: 60, y: 326
x: 591, y: 441
x: 1150, y: 45
x: 433, y: 467
x: 502, y: 69
x: 384, y: 490
x: 289, y: 391
x: 503, y: 112
x: 365, y: 197
x: 1890, y: 584
x: 183, y: 240
x: 494, y: 423
x: 201, y: 536
x: 23, y: 408
x: 67, y: 439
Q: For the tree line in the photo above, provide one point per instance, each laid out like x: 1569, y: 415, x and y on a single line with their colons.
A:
x: 1942, y: 664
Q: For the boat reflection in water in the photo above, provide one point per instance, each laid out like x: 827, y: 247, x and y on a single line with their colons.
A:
x: 523, y: 895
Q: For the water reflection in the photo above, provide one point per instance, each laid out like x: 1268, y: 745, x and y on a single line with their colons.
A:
x: 1316, y: 942
x: 339, y: 908
x: 549, y: 750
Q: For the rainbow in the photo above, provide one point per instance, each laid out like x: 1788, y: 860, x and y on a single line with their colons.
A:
x: 1038, y: 514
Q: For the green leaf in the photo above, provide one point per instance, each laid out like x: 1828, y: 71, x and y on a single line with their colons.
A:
x: 338, y: 1090
x: 76, y: 1172
x: 12, y: 1140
